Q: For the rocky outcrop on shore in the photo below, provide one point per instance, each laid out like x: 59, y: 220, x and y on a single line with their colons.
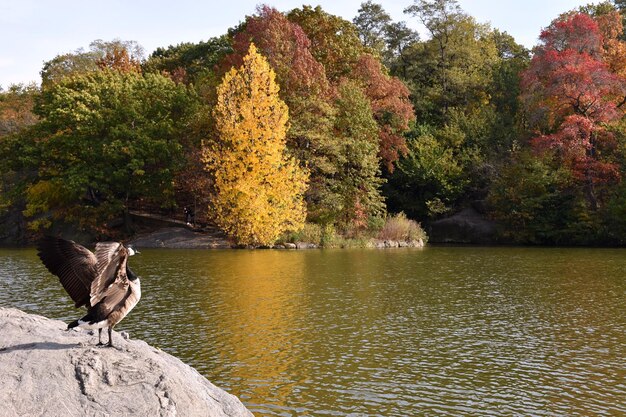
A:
x: 48, y: 371
x: 467, y: 226
x: 181, y: 238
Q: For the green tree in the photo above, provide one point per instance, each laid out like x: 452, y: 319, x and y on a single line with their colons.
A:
x: 16, y: 117
x: 189, y: 62
x: 106, y: 139
x: 258, y: 188
x: 400, y: 40
x: 372, y: 22
x: 455, y: 65
x: 429, y: 179
x: 504, y: 91
x: 538, y: 203
x: 463, y: 82
x: 358, y: 181
x: 101, y: 54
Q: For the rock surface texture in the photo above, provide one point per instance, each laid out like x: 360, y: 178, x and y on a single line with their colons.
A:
x: 48, y: 371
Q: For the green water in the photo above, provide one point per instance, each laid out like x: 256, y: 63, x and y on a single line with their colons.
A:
x: 439, y: 331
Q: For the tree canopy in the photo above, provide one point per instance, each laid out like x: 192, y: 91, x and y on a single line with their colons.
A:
x: 105, y: 139
x: 337, y: 120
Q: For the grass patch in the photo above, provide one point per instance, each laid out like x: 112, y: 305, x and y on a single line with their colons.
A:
x: 396, y: 228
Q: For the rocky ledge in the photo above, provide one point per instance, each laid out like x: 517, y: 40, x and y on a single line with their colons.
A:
x: 48, y: 371
x: 182, y: 238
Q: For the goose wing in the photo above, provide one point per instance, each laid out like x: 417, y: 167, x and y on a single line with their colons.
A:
x: 114, y: 297
x: 75, y: 265
x: 111, y: 264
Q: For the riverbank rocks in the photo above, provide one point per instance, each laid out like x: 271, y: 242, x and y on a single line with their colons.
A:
x: 305, y: 245
x: 48, y: 371
x: 386, y: 244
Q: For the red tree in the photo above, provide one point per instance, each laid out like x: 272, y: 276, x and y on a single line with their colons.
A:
x: 392, y: 108
x: 302, y: 78
x: 286, y: 47
x: 571, y: 91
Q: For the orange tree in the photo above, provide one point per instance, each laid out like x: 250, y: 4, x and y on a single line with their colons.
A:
x: 258, y: 188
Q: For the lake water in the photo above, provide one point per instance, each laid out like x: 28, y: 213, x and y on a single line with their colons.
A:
x: 402, y: 332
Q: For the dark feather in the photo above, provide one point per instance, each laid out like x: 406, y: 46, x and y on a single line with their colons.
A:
x: 74, y: 264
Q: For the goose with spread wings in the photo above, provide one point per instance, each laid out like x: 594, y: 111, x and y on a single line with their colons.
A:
x: 101, y: 281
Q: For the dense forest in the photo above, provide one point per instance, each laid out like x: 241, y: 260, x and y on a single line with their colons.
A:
x: 301, y: 119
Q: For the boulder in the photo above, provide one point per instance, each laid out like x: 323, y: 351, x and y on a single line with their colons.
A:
x: 48, y: 371
x: 467, y: 226
x: 305, y: 245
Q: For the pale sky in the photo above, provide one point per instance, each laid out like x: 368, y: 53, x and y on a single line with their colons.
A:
x: 35, y: 31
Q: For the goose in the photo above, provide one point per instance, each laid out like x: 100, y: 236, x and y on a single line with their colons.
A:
x: 101, y: 281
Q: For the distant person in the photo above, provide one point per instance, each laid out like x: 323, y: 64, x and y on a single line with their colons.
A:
x: 189, y: 216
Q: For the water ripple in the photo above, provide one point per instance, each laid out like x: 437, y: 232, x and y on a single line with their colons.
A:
x: 441, y: 331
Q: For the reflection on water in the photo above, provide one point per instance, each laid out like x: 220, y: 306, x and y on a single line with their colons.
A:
x: 439, y: 331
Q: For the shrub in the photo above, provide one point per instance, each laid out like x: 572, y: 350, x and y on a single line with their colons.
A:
x: 400, y: 228
x: 310, y: 233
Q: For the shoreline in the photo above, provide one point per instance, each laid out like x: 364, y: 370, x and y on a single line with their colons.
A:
x: 184, y: 238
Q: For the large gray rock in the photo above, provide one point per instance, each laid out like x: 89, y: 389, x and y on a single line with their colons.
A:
x: 467, y: 226
x: 48, y: 371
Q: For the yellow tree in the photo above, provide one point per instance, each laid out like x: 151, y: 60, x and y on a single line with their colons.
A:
x: 258, y: 187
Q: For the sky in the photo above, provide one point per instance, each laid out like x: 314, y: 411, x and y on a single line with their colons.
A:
x: 35, y: 31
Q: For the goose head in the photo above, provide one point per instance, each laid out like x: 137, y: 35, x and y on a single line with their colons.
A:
x: 131, y: 251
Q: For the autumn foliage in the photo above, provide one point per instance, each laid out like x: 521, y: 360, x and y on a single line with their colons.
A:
x: 391, y: 106
x: 118, y: 58
x: 287, y: 49
x: 311, y: 78
x: 300, y: 113
x: 258, y: 188
x: 573, y: 88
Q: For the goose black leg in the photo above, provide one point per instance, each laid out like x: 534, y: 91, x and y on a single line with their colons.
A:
x: 100, y: 338
x: 110, y: 344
